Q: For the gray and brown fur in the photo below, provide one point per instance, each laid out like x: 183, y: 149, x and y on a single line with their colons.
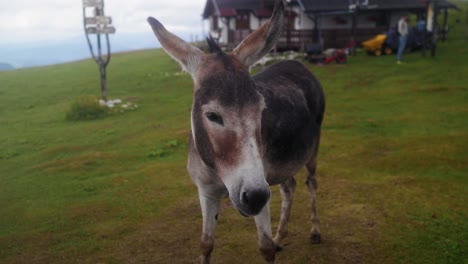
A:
x: 249, y: 132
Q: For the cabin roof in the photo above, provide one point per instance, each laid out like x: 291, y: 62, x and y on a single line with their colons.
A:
x: 318, y: 6
x: 261, y: 8
x: 230, y: 7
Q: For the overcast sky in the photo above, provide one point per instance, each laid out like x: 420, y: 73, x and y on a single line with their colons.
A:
x: 51, y: 22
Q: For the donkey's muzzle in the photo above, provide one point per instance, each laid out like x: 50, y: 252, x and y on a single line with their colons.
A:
x: 253, y: 201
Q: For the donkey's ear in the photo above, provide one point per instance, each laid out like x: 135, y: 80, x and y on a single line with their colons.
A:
x: 261, y: 41
x: 187, y: 55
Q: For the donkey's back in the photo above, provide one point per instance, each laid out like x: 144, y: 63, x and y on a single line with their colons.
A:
x: 295, y: 106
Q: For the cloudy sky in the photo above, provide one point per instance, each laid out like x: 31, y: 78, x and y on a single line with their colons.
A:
x: 31, y: 30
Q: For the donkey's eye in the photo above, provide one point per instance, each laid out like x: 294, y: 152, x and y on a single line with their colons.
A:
x: 213, y: 117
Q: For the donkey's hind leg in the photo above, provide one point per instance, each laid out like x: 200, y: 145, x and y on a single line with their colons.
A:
x: 287, y: 194
x: 312, y: 185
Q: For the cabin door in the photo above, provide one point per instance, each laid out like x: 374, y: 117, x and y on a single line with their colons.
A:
x: 242, y: 20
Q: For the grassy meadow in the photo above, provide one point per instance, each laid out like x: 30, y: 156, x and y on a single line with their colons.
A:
x: 392, y: 168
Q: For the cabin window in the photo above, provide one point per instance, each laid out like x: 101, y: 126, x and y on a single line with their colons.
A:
x: 382, y: 20
x: 242, y: 20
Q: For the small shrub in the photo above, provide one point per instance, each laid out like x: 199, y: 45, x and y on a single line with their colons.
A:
x: 86, y: 108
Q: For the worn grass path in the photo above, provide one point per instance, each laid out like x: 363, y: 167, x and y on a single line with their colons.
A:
x: 392, y: 167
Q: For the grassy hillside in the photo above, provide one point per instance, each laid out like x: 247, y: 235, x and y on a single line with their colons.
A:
x: 392, y: 166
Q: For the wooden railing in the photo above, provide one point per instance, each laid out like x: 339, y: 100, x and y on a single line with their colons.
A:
x: 339, y: 38
x: 294, y: 39
x: 298, y: 39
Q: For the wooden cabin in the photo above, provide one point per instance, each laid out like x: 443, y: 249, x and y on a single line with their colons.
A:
x: 335, y: 23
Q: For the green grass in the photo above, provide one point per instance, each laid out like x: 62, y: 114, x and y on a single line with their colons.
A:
x: 392, y: 167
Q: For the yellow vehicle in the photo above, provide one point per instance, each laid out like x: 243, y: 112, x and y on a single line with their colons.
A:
x: 376, y: 45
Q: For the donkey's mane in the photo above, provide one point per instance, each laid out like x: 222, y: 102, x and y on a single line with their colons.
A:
x: 213, y: 45
x: 214, y: 48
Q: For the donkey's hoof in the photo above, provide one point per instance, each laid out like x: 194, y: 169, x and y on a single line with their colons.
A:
x: 315, y: 238
x: 278, y: 248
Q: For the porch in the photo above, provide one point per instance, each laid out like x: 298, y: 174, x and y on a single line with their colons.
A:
x: 298, y: 39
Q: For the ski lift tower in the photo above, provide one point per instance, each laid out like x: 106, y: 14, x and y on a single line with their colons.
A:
x: 99, y: 25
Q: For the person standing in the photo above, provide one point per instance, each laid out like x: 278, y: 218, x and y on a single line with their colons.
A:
x: 403, y: 37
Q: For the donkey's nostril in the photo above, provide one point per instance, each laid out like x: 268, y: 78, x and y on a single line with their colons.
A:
x: 253, y: 201
x: 244, y: 198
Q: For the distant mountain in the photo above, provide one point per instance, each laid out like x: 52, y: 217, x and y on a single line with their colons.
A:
x: 39, y: 54
x: 6, y: 67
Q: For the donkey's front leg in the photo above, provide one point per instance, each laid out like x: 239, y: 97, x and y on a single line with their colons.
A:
x: 287, y: 195
x: 265, y: 241
x: 210, y: 207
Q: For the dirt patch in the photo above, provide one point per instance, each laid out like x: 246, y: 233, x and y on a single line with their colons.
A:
x: 349, y: 231
x: 350, y: 224
x: 172, y: 238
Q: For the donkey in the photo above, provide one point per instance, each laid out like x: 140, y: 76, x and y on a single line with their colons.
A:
x: 249, y: 132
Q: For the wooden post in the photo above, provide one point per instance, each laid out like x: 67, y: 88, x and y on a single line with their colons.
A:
x: 354, y: 27
x: 466, y: 22
x: 315, y: 37
x: 430, y: 39
x: 435, y: 29
x: 99, y: 25
x: 445, y: 25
